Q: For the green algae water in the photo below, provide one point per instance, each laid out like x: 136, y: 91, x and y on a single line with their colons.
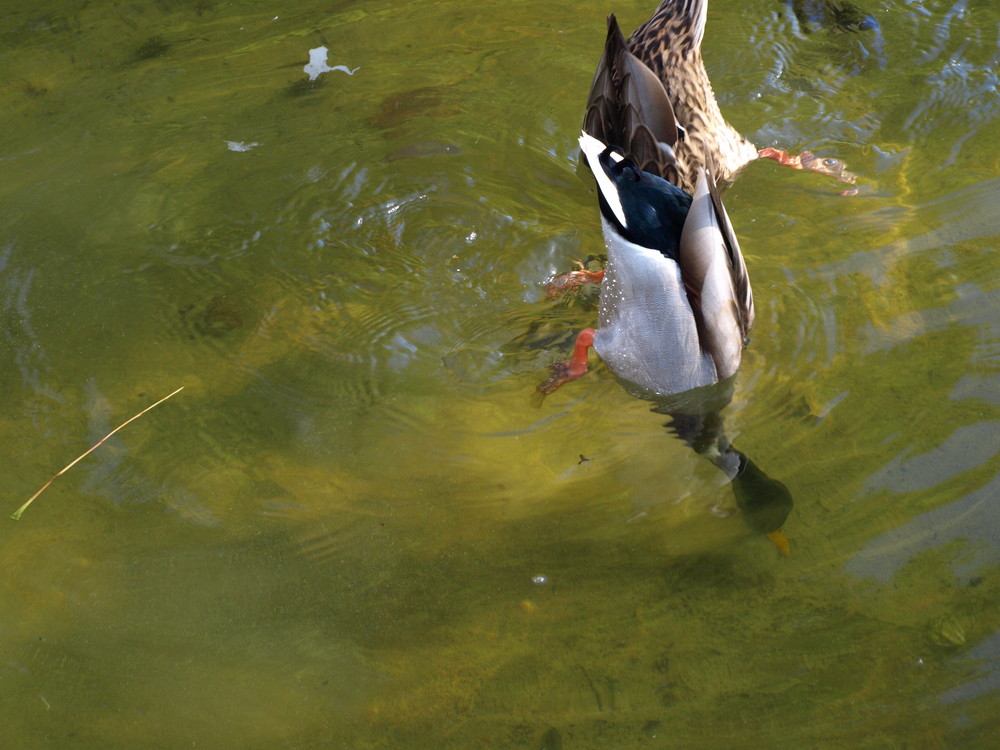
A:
x: 352, y: 528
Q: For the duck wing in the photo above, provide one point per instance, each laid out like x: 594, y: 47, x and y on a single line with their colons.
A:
x: 628, y: 108
x: 741, y: 279
x: 715, y: 277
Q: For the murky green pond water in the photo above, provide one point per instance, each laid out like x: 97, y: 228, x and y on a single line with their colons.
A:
x: 352, y: 528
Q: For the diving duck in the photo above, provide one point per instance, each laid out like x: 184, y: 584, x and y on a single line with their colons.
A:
x: 676, y: 303
x: 652, y: 99
x: 675, y: 309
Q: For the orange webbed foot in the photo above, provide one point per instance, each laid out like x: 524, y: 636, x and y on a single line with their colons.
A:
x: 827, y: 165
x: 571, y: 280
x: 570, y: 369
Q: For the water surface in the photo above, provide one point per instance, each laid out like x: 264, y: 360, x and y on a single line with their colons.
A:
x: 353, y: 528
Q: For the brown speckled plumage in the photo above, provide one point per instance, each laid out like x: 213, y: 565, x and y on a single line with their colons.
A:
x: 626, y: 109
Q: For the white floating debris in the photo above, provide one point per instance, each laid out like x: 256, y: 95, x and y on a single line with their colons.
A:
x: 318, y: 64
x: 241, y: 145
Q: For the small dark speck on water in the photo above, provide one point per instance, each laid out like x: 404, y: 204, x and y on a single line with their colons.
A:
x: 652, y: 728
x: 423, y: 149
x: 302, y: 87
x: 551, y: 740
x: 218, y: 318
x: 662, y: 664
x: 153, y: 47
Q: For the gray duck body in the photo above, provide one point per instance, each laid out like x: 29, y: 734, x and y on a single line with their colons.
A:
x: 669, y: 321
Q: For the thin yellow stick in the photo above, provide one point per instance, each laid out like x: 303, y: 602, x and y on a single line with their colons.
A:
x: 17, y: 514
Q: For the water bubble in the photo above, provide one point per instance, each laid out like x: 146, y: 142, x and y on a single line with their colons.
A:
x: 540, y: 580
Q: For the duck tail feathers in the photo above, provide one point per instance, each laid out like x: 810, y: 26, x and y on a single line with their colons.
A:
x: 628, y: 108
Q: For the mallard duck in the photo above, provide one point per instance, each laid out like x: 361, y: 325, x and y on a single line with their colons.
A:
x: 652, y: 99
x: 676, y: 303
x: 675, y: 309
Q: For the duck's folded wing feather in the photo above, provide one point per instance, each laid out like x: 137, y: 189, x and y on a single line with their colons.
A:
x: 741, y: 279
x: 718, y: 298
